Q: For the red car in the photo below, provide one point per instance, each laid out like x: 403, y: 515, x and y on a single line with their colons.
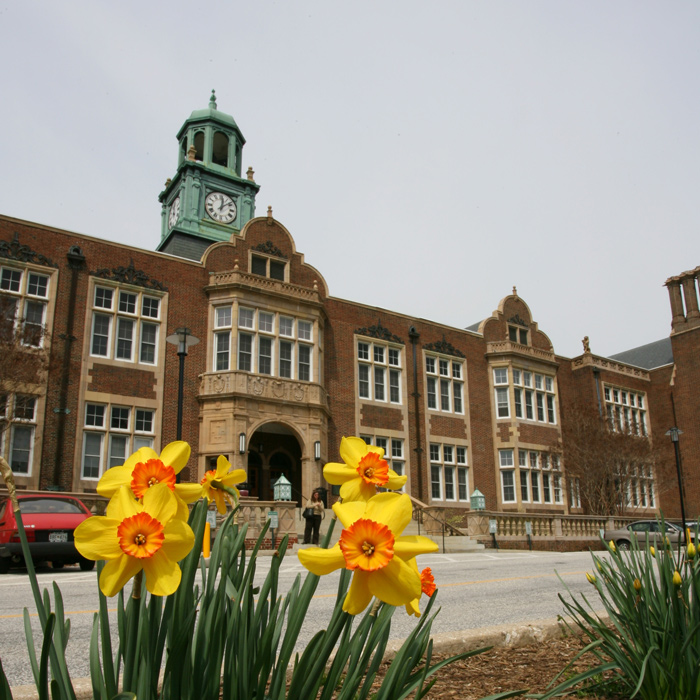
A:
x: 49, y: 521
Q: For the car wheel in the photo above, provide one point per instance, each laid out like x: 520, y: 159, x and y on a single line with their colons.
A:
x: 4, y: 565
x: 623, y: 545
x: 86, y: 564
x: 57, y: 564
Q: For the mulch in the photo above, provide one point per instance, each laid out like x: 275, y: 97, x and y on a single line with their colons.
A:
x: 529, y: 668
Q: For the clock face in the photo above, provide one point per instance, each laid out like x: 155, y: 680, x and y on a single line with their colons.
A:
x: 174, y: 212
x: 220, y: 207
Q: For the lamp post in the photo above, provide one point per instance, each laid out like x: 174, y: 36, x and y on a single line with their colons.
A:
x: 674, y: 433
x: 182, y: 339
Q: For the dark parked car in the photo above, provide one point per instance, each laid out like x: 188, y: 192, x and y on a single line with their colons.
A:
x: 49, y: 521
x: 640, y: 529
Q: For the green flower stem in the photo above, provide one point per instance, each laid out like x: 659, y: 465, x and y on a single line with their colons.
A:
x: 131, y: 660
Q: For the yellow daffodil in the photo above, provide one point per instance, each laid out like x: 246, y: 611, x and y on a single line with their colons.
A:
x: 652, y: 551
x: 691, y: 551
x: 372, y: 547
x: 135, y: 536
x: 145, y: 468
x: 364, y: 469
x: 612, y: 546
x: 591, y: 578
x: 637, y: 585
x: 224, y: 476
x: 677, y: 580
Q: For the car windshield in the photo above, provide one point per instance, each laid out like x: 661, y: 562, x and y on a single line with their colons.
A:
x: 48, y: 505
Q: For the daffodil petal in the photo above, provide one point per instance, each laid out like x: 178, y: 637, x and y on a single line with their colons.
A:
x: 160, y: 503
x: 179, y: 540
x: 349, y: 512
x: 395, y: 482
x: 410, y: 546
x: 183, y: 512
x: 162, y: 575
x: 113, y: 479
x: 412, y: 608
x: 189, y: 493
x: 220, y: 501
x: 237, y: 476
x: 222, y: 466
x: 391, y: 509
x: 143, y: 454
x: 352, y: 450
x: 359, y: 595
x: 351, y: 490
x: 175, y: 455
x: 96, y: 538
x: 337, y: 474
x: 396, y: 583
x: 322, y: 561
x: 123, y: 504
x: 116, y: 574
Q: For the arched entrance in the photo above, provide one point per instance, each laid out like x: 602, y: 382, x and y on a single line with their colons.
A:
x: 273, y: 450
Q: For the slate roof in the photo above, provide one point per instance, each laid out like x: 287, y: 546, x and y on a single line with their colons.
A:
x: 647, y: 356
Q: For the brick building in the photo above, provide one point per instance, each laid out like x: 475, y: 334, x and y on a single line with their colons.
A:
x: 283, y: 369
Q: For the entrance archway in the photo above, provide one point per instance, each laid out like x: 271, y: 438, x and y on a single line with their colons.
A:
x: 273, y: 450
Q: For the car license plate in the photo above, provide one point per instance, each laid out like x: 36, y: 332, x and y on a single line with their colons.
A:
x: 58, y: 537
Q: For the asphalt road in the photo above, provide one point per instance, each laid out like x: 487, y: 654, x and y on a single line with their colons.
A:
x: 475, y: 591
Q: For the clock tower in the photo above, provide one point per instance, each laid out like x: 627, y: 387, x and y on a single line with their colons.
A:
x: 207, y: 200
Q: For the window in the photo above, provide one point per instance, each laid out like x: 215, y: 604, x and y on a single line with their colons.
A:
x: 268, y: 267
x: 533, y: 396
x: 507, y: 476
x: 111, y: 433
x: 125, y: 325
x: 266, y: 343
x: 448, y: 472
x: 25, y: 297
x: 635, y: 485
x: 378, y: 372
x: 20, y: 412
x: 626, y: 411
x: 393, y: 451
x: 445, y: 385
x: 574, y: 492
x: 517, y: 335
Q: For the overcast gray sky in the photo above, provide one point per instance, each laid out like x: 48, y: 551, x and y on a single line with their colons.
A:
x: 425, y: 156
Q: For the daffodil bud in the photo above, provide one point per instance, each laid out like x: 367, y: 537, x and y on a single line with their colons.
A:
x: 591, y: 578
x: 612, y: 546
x: 652, y: 551
x: 691, y: 551
x: 677, y: 580
x: 637, y: 585
x: 600, y: 566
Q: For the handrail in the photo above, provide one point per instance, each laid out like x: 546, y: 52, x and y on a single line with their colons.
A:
x: 421, y: 509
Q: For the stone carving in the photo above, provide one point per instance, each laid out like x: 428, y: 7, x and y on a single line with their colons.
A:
x: 278, y: 389
x: 518, y: 321
x: 378, y: 331
x: 257, y: 386
x: 129, y: 275
x: 444, y: 347
x: 15, y: 250
x: 586, y: 344
x: 269, y: 248
x: 218, y: 384
x: 298, y: 392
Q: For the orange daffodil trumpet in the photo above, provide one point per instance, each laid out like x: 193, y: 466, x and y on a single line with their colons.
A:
x: 146, y: 468
x: 135, y: 536
x: 225, y: 477
x: 372, y: 547
x: 427, y: 586
x: 363, y: 470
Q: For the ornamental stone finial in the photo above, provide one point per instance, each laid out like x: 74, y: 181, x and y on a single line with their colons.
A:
x: 251, y: 174
x: 586, y: 345
x: 191, y: 152
x: 212, y: 99
x: 515, y: 291
x: 269, y: 212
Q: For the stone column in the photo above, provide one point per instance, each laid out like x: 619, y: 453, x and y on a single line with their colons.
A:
x: 691, y: 301
x: 674, y: 293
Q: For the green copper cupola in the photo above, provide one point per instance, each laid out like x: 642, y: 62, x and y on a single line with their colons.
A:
x: 207, y: 200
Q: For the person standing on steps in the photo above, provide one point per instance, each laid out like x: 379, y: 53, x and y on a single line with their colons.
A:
x: 313, y: 523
